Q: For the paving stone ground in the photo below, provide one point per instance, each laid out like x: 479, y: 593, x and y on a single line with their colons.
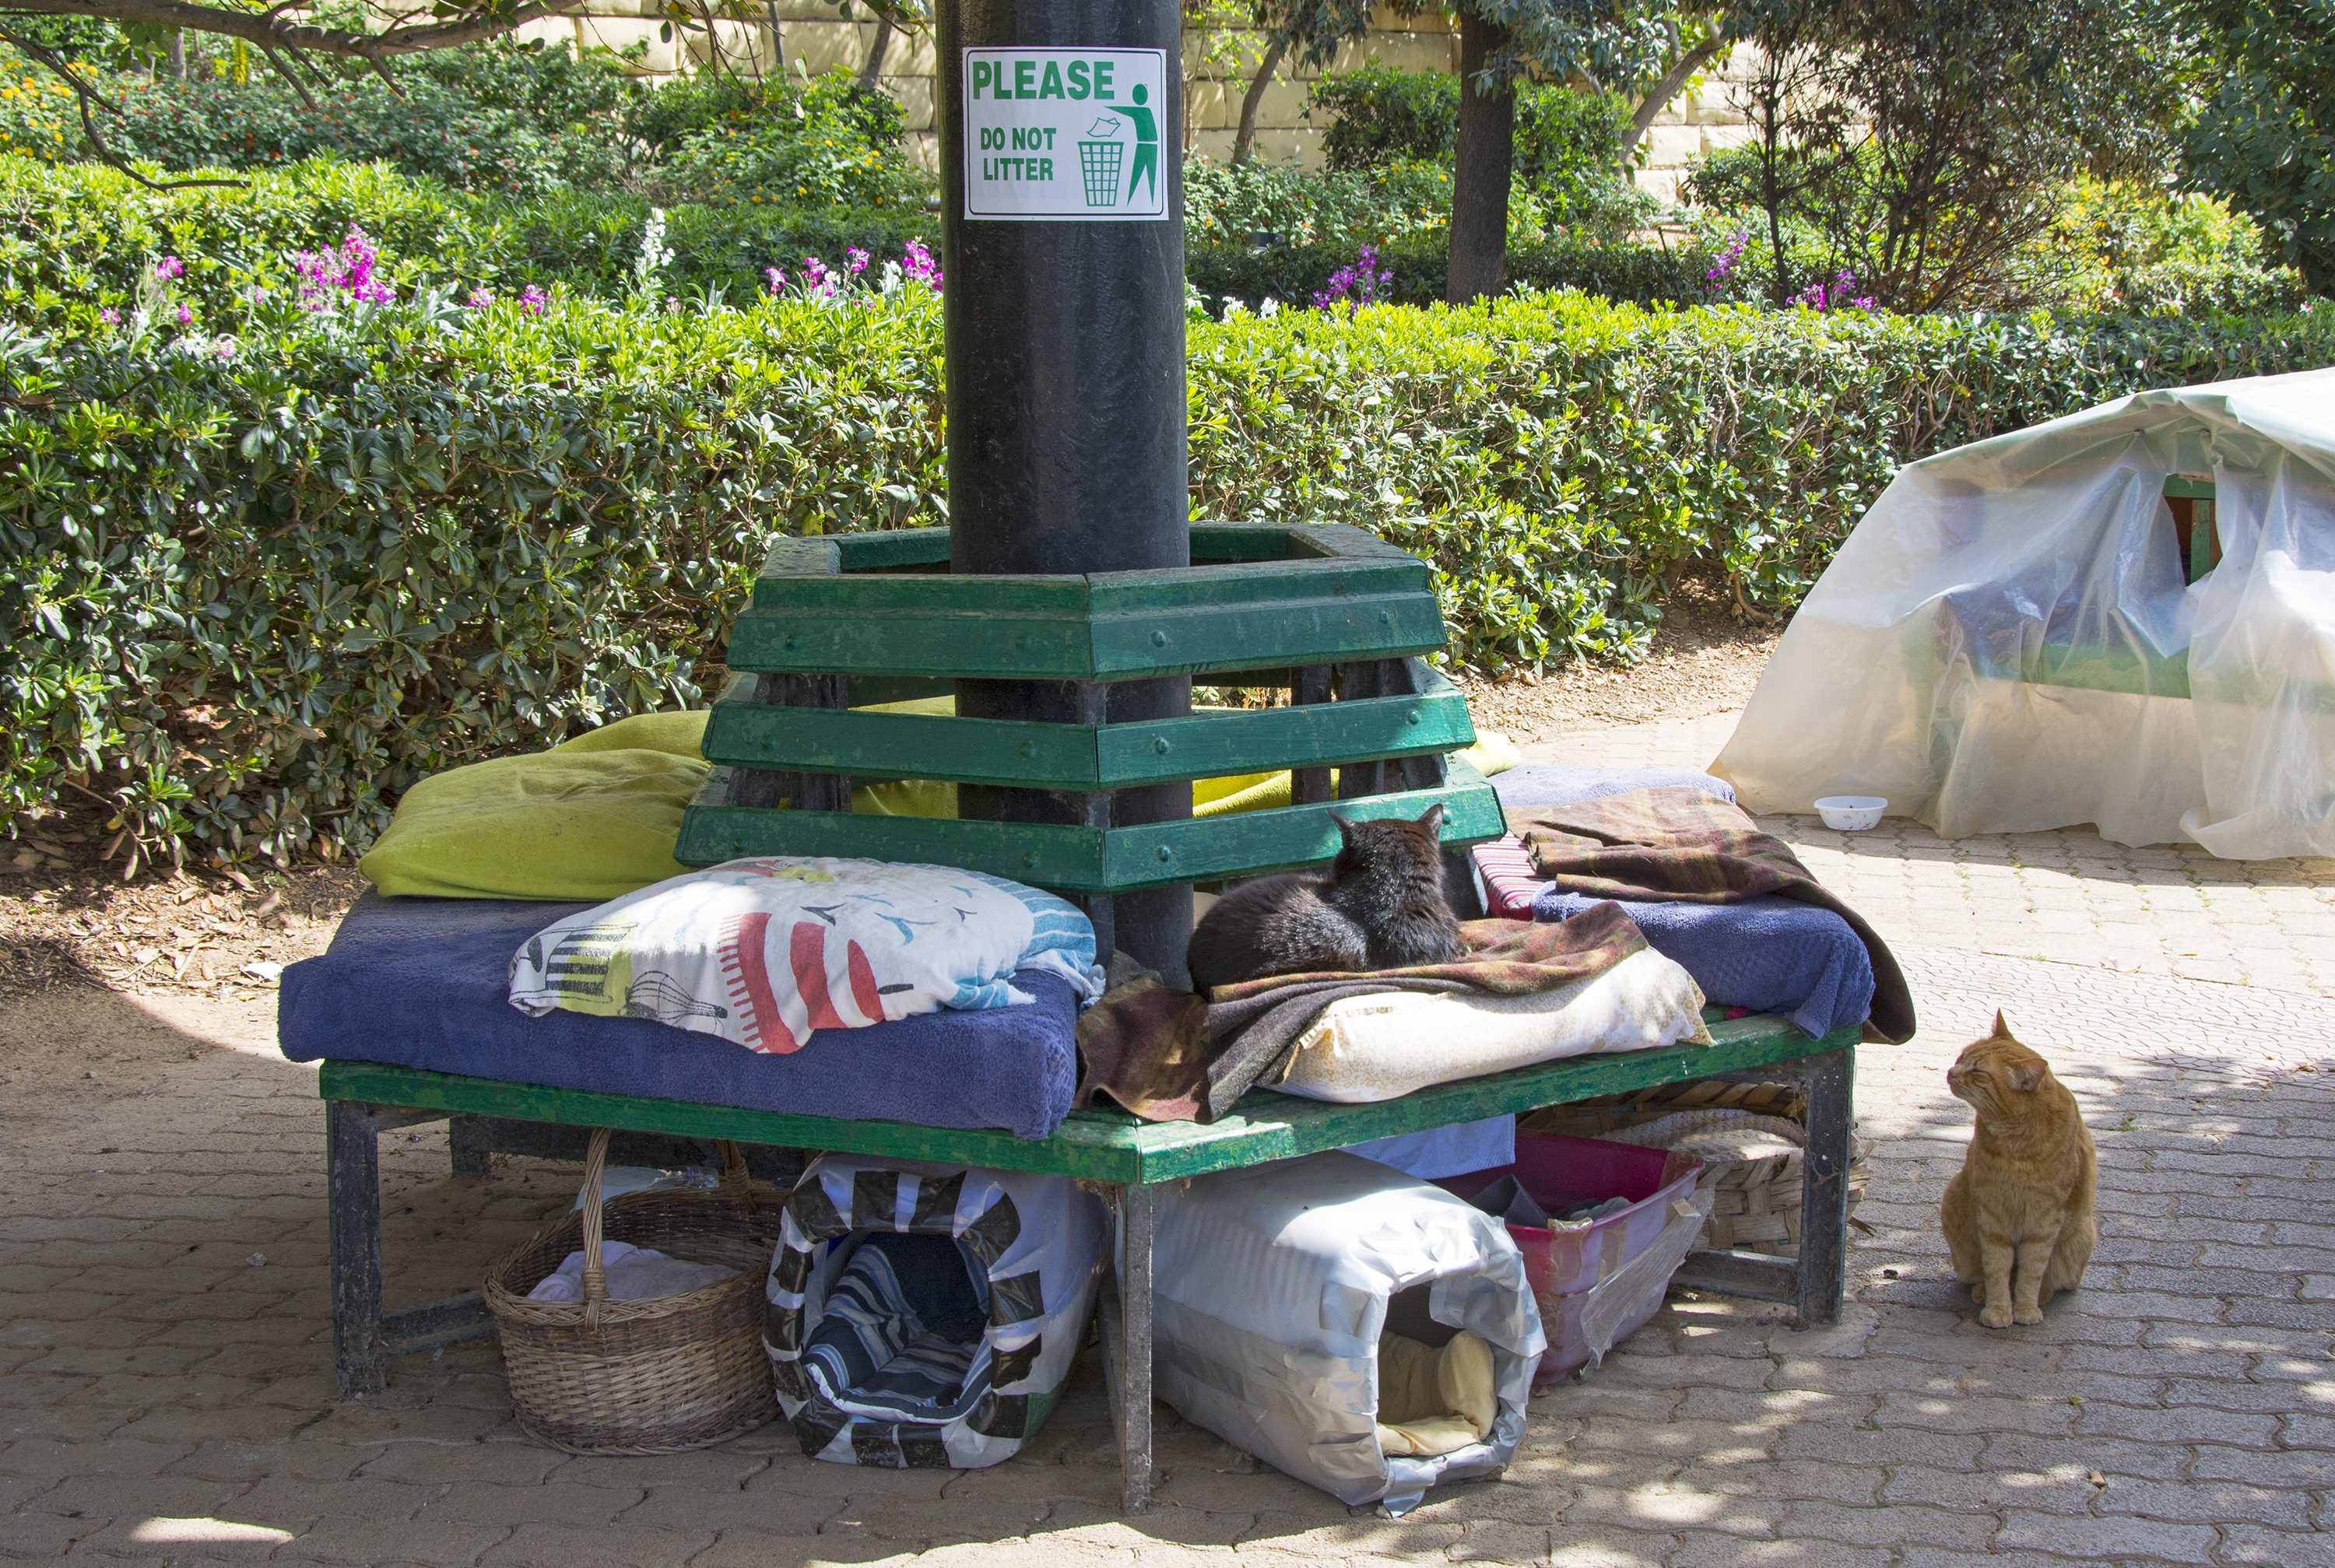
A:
x: 165, y: 1354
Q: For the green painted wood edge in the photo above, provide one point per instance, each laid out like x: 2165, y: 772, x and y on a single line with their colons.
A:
x: 1266, y: 740
x: 1219, y: 585
x: 2188, y: 486
x: 1211, y: 848
x: 713, y: 831
x: 1070, y: 756
x: 841, y: 638
x: 1097, y: 1152
x: 877, y: 550
x: 930, y: 595
x: 829, y: 555
x: 1266, y: 1126
x: 902, y: 745
x: 1075, y: 859
x: 1288, y: 631
x: 2095, y: 668
x: 1104, y: 1145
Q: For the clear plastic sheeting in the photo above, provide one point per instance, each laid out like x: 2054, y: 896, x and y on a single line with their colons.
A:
x: 2005, y: 644
x: 1271, y: 1287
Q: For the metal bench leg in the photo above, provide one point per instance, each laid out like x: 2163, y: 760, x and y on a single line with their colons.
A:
x: 353, y: 1208
x: 1126, y: 1346
x: 1830, y: 1081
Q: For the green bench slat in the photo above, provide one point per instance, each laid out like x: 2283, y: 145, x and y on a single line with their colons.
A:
x: 1107, y: 1145
x: 948, y: 632
x: 1258, y: 595
x: 1074, y: 858
x: 1073, y: 757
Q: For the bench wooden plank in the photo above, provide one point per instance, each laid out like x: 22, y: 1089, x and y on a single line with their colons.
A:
x: 1104, y: 1144
x: 750, y: 734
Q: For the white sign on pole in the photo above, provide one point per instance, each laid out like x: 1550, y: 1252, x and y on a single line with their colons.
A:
x: 1067, y: 135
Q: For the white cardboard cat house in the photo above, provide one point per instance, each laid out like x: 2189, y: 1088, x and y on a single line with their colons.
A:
x: 2014, y: 638
x: 1272, y: 1286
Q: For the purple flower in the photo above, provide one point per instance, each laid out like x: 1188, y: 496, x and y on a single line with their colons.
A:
x: 919, y: 264
x: 778, y: 279
x: 480, y: 299
x: 1724, y: 269
x: 169, y: 267
x: 672, y: 303
x: 325, y: 276
x: 534, y: 301
x: 855, y: 260
x: 1357, y: 285
x: 186, y: 316
x: 110, y: 316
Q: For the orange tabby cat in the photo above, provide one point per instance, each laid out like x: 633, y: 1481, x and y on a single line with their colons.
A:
x: 2019, y: 1215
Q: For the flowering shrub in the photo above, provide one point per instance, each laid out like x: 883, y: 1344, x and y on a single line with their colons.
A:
x: 328, y: 277
x: 1843, y: 292
x: 821, y: 284
x: 1356, y: 286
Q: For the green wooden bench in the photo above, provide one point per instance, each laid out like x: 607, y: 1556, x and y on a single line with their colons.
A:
x: 1129, y: 1158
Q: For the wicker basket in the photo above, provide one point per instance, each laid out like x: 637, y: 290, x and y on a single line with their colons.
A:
x: 1755, y: 1202
x: 655, y: 1376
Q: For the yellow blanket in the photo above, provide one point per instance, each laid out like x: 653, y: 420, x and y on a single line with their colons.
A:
x: 596, y: 818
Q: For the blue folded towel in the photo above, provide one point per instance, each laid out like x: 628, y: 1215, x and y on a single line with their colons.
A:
x: 426, y: 983
x: 1769, y: 954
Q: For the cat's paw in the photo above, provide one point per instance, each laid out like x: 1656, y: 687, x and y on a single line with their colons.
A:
x: 1977, y: 1294
x: 1995, y: 1317
x: 2028, y: 1315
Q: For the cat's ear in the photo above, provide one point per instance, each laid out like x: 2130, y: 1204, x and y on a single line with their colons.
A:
x: 1345, y: 826
x: 2001, y: 1029
x: 1432, y: 820
x: 2026, y: 1075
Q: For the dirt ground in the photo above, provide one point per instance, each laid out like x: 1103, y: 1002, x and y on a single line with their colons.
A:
x: 1703, y: 660
x: 67, y: 917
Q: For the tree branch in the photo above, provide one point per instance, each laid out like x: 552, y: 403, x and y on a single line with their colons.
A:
x: 1658, y: 97
x: 269, y: 27
x: 84, y: 96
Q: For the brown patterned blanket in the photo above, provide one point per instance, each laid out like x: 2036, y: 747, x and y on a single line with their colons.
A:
x: 1684, y: 844
x: 1169, y: 1056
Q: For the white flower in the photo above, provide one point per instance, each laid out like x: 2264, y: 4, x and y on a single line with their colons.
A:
x: 1234, y: 306
x: 1270, y: 308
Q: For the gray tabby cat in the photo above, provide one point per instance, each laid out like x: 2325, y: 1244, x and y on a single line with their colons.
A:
x: 1382, y: 905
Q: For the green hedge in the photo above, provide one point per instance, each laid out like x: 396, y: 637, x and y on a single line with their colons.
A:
x: 75, y: 238
x: 250, y: 598
x: 1292, y: 274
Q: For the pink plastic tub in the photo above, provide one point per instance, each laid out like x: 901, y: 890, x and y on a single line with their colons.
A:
x: 1564, y: 1264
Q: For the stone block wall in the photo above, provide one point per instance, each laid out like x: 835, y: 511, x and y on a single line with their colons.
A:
x: 813, y: 37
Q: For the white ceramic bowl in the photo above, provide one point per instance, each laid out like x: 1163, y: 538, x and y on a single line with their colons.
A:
x: 1851, y: 813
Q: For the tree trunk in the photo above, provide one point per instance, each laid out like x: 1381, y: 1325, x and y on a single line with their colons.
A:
x: 1245, y: 140
x: 1482, y: 160
x: 179, y: 53
x: 875, y: 66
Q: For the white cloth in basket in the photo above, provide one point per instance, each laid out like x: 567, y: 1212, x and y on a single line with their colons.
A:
x: 634, y: 1274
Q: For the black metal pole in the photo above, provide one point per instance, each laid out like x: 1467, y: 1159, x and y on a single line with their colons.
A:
x: 1062, y: 223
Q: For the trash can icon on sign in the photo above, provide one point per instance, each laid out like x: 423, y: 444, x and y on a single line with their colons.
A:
x: 1099, y: 161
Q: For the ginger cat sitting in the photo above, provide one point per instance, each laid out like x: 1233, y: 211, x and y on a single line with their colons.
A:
x: 2019, y: 1216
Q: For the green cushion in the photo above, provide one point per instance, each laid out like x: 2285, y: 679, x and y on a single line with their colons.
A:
x: 571, y: 823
